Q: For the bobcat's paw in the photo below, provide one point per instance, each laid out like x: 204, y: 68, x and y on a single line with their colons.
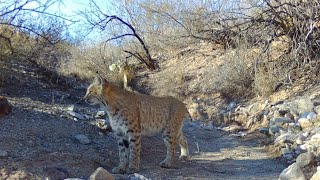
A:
x: 165, y: 164
x: 184, y: 158
x: 118, y: 170
x: 132, y: 170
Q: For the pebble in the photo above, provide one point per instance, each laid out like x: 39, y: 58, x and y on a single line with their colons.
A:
x: 83, y: 139
x: 76, y: 115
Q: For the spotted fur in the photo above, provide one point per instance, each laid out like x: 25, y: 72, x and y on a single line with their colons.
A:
x: 132, y: 115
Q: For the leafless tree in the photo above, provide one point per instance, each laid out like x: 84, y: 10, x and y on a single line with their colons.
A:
x: 97, y: 18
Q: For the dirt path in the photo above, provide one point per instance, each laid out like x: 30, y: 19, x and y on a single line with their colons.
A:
x: 43, y: 145
x: 37, y: 140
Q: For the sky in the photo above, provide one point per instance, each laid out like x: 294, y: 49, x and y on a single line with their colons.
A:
x: 70, y: 9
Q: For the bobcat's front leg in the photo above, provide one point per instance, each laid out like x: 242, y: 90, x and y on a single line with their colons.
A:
x: 123, y: 145
x: 135, y: 149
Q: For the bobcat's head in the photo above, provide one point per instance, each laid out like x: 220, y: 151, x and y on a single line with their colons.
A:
x: 94, y: 94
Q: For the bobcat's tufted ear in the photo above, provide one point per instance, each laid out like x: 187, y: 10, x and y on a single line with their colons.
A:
x: 99, y: 80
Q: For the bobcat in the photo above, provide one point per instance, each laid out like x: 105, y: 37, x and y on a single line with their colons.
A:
x: 132, y: 115
x: 5, y: 107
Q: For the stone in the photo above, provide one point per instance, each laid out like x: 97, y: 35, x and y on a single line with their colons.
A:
x: 305, y: 159
x: 292, y: 172
x: 305, y: 123
x: 70, y: 108
x: 83, y: 139
x: 280, y: 121
x: 302, y: 104
x: 289, y: 115
x: 100, y: 114
x: 3, y: 153
x: 288, y: 156
x: 233, y: 128
x: 231, y: 106
x: 264, y: 130
x: 316, y: 176
x: 76, y: 115
x: 101, y: 174
x: 309, y: 115
x: 141, y: 177
x: 315, y: 137
x: 285, y: 138
x: 273, y: 129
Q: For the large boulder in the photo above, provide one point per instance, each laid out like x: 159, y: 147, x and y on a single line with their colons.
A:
x: 292, y: 172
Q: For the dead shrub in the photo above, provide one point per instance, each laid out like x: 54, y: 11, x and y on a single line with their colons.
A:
x: 233, y: 79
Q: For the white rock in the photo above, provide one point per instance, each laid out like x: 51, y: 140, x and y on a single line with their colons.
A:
x: 100, y: 114
x: 292, y: 172
x: 101, y: 174
x: 83, y: 139
x: 70, y: 108
x: 305, y: 123
x: 315, y: 137
x: 140, y: 177
x: 306, y: 134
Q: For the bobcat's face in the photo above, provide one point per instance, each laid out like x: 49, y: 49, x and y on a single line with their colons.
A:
x: 92, y: 96
x: 94, y: 92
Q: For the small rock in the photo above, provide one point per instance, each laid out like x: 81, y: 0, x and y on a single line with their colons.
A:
x: 100, y: 114
x: 309, y: 115
x: 273, y: 129
x: 233, y: 128
x: 292, y: 172
x: 76, y: 115
x: 289, y: 115
x: 285, y: 151
x: 231, y: 106
x: 280, y: 120
x: 264, y: 130
x: 3, y: 153
x: 83, y: 139
x: 316, y: 176
x: 315, y: 137
x: 140, y: 177
x: 302, y: 104
x: 70, y: 108
x: 302, y: 147
x: 285, y: 138
x: 305, y: 123
x: 288, y: 156
x: 305, y: 159
x: 101, y: 174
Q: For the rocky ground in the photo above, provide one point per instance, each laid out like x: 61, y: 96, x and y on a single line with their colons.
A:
x: 45, y: 137
x: 293, y: 126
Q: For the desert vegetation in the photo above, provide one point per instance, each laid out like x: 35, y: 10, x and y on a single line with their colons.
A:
x: 267, y: 45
